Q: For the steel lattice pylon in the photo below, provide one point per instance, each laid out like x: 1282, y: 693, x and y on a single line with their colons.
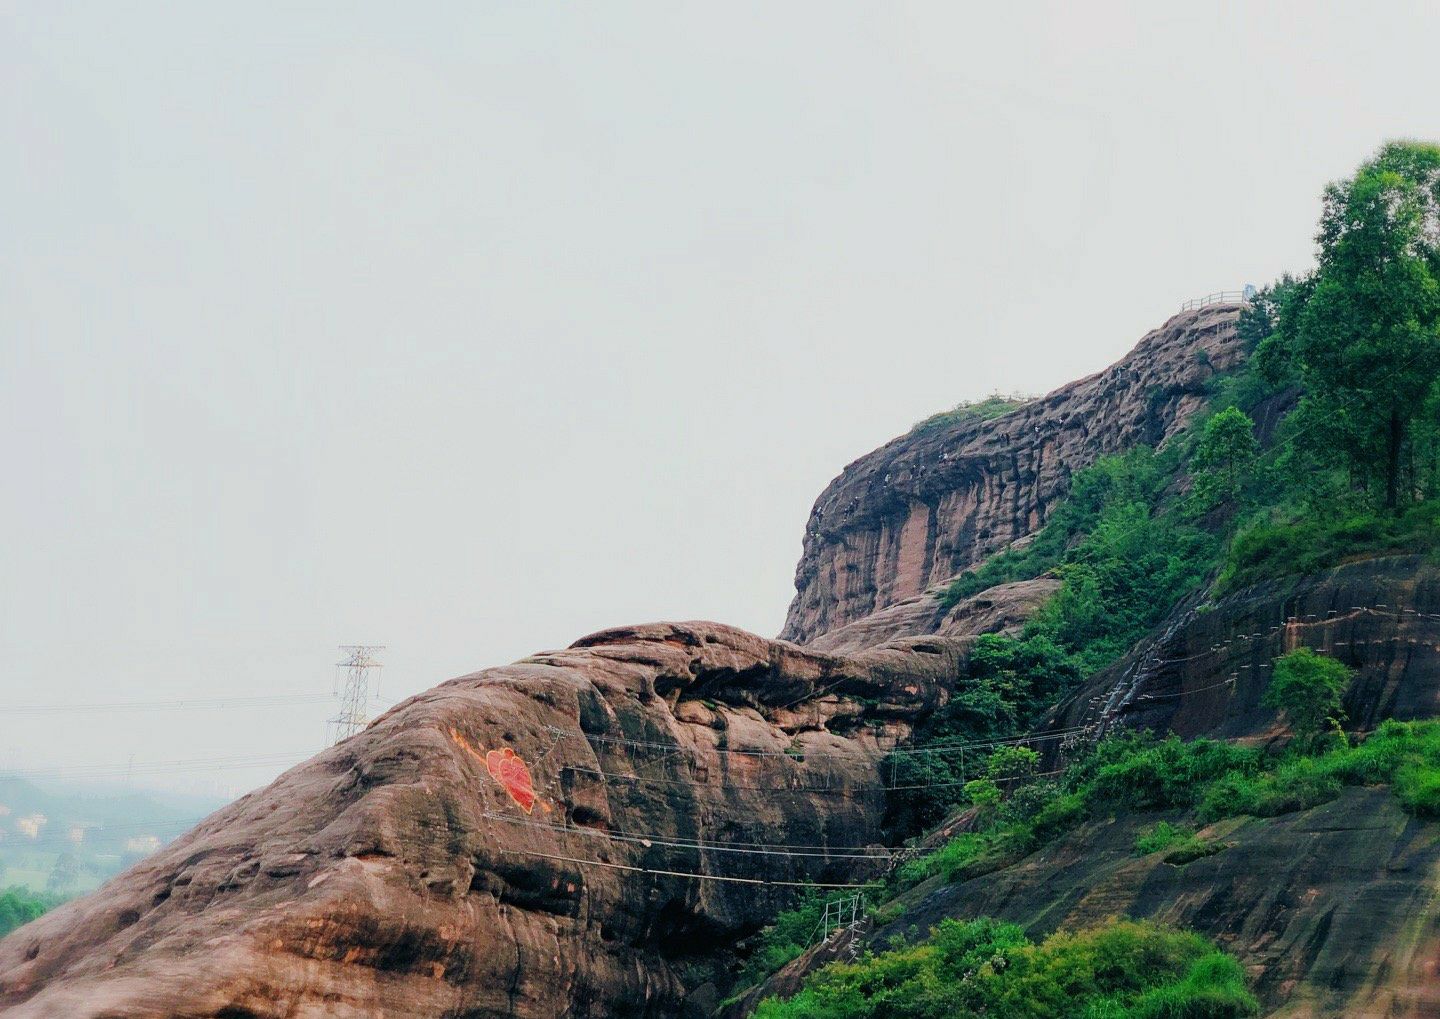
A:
x: 352, y: 684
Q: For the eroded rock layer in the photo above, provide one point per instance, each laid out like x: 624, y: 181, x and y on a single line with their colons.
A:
x: 932, y: 503
x: 1333, y: 910
x: 519, y: 842
x: 1206, y: 670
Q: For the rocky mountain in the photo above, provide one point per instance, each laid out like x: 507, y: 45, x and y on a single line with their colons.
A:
x: 579, y: 833
x: 898, y: 524
x: 1333, y: 910
x: 1205, y: 671
x: 593, y: 831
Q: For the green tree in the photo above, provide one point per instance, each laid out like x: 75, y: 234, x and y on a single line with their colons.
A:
x: 18, y: 906
x: 1363, y: 331
x: 983, y: 793
x: 1009, y: 763
x: 1225, y: 457
x: 1308, y: 687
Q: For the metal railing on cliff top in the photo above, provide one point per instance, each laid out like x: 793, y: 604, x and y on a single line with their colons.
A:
x: 1220, y: 297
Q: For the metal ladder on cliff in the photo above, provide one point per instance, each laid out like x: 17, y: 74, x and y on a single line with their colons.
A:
x: 844, y: 914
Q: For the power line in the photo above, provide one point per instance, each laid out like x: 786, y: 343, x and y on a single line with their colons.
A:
x: 155, y: 767
x: 258, y: 700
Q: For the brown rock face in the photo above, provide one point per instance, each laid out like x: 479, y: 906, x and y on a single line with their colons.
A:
x: 562, y: 836
x: 930, y: 504
x: 1332, y: 910
x: 1000, y: 609
x: 1206, y: 670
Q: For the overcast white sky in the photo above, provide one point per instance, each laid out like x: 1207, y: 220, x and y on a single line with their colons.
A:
x: 471, y: 328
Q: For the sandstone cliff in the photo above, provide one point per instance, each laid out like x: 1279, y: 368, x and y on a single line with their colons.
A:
x: 1205, y: 670
x: 574, y: 834
x: 591, y: 831
x: 1332, y: 910
x: 930, y: 504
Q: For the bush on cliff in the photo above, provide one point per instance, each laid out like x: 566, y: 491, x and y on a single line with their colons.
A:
x: 1308, y: 688
x: 993, y: 406
x: 988, y: 968
x: 1138, y: 477
x: 1300, y: 542
x: 785, y: 939
x: 1138, y: 772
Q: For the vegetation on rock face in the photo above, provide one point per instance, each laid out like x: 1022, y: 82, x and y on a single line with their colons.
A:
x: 992, y: 406
x: 987, y: 968
x: 1180, y: 843
x: 1308, y: 688
x: 1126, y: 553
x: 785, y: 939
x: 1290, y: 542
x: 1138, y: 772
x: 1353, y: 470
x: 1129, y: 773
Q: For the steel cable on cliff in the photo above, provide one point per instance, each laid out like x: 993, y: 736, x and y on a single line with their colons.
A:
x: 686, y: 873
x: 876, y: 855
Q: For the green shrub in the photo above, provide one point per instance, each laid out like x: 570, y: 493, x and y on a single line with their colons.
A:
x: 992, y: 406
x: 786, y: 938
x: 1180, y: 843
x: 1009, y: 763
x: 987, y: 968
x: 1161, y: 836
x: 1058, y: 816
x: 1308, y: 687
x: 1168, y: 773
x: 1418, y: 788
x: 1213, y: 988
x: 1307, y: 542
x: 1297, y: 784
x: 1193, y: 848
x: 951, y: 860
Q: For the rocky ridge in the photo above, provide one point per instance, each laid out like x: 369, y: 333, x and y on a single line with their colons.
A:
x: 591, y: 831
x: 900, y: 522
x: 575, y: 834
x: 1205, y: 670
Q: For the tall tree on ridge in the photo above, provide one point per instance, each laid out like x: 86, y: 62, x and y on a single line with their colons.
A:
x: 1364, y: 330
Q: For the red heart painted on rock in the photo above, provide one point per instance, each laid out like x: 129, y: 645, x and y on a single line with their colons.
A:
x: 509, y: 770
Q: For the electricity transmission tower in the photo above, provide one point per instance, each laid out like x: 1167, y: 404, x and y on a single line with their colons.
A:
x: 352, y: 684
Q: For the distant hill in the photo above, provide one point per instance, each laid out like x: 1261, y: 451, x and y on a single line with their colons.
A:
x: 96, y: 830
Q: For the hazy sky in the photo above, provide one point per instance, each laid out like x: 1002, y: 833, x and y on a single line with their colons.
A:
x: 471, y: 328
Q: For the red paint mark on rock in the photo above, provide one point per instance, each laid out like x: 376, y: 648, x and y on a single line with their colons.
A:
x: 509, y: 770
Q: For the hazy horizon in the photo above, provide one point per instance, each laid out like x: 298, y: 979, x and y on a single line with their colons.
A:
x: 471, y: 331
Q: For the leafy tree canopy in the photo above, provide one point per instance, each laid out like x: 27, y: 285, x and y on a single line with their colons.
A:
x: 1363, y: 331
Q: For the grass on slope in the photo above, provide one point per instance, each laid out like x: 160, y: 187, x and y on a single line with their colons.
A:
x: 1135, y: 773
x: 987, y: 968
x: 993, y: 406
